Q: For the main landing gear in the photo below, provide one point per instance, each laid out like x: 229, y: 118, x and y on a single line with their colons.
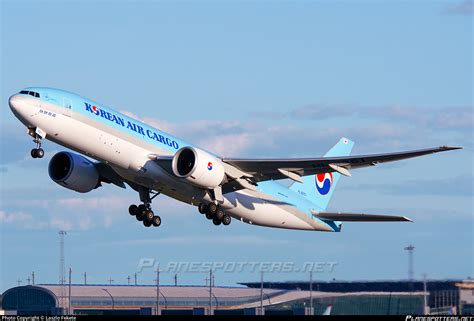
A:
x: 143, y: 212
x: 215, y: 213
x: 37, y: 152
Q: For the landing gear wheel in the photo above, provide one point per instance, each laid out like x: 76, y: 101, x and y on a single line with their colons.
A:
x: 34, y: 153
x: 209, y: 216
x: 39, y: 153
x: 156, y: 221
x: 147, y: 223
x: 133, y: 210
x: 142, y: 208
x: 226, y: 219
x: 219, y: 214
x: 212, y: 208
x: 216, y: 221
x: 202, y: 208
x: 148, y: 215
x: 140, y: 216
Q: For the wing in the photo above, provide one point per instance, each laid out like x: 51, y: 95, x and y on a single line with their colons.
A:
x: 267, y: 169
x: 108, y: 175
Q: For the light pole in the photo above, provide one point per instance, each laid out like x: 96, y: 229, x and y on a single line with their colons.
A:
x: 311, y: 292
x: 158, y: 291
x: 410, y: 248
x: 113, y: 302
x: 210, y: 292
x: 69, y: 297
x: 62, y: 270
x: 425, y: 299
x: 261, y: 293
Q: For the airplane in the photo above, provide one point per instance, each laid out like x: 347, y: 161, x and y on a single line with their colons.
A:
x: 152, y: 162
x: 328, y: 310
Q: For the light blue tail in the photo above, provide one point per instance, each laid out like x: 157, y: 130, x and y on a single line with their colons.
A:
x: 319, y: 188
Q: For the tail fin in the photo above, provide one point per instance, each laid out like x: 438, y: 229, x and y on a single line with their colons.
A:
x: 328, y: 310
x: 319, y: 188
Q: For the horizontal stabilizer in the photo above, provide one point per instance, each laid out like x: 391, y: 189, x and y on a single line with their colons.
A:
x: 359, y: 217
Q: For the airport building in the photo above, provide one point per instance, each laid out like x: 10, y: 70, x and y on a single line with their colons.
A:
x: 284, y: 299
x: 466, y: 296
x: 442, y: 295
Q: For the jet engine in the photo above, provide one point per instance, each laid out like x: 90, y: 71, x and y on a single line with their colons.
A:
x: 198, y: 167
x: 74, y: 171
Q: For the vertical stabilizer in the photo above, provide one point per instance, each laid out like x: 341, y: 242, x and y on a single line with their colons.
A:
x: 319, y: 188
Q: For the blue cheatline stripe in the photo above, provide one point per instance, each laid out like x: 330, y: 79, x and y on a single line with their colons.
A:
x: 111, y: 118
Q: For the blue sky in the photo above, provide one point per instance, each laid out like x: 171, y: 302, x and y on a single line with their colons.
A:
x: 248, y: 79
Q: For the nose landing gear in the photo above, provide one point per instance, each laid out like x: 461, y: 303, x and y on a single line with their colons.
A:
x: 37, y: 152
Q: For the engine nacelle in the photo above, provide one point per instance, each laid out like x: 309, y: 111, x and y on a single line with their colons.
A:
x: 198, y: 167
x: 73, y: 171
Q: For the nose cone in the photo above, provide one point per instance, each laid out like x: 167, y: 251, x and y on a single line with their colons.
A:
x: 15, y: 103
x: 19, y: 106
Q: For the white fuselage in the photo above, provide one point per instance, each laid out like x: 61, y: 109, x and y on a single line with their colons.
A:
x: 131, y: 157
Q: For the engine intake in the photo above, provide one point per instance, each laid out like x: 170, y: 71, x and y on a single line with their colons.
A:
x: 74, y: 172
x: 198, y: 167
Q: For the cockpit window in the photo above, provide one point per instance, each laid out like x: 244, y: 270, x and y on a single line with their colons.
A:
x: 31, y: 93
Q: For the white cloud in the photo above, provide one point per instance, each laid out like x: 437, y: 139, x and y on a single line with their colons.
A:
x: 22, y: 220
x: 383, y: 128
x: 60, y: 224
x: 16, y: 217
x: 108, y: 203
x: 85, y: 213
x: 85, y: 223
x: 220, y: 137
